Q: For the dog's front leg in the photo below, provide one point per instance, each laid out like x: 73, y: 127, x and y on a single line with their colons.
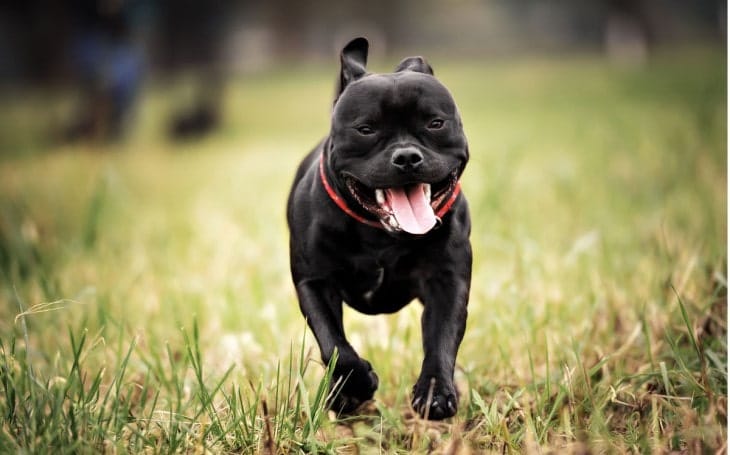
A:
x: 322, y: 307
x: 442, y: 323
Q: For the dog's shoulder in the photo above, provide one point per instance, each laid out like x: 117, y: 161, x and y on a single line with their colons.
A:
x: 309, y: 162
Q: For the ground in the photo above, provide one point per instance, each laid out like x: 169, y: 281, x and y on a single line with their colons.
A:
x: 146, y: 305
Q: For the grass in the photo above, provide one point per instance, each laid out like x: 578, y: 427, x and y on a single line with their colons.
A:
x: 146, y: 302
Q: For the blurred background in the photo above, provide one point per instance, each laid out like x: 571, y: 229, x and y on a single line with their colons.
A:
x: 163, y: 136
x: 103, y: 52
x: 147, y: 148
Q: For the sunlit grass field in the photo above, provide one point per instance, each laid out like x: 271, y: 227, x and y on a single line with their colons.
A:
x: 146, y: 303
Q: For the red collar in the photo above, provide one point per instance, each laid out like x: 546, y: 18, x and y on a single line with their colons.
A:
x: 445, y: 207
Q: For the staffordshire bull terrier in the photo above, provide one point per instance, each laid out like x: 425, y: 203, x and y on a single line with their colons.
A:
x: 377, y: 219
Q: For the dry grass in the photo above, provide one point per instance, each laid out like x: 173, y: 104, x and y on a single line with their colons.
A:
x: 147, y: 306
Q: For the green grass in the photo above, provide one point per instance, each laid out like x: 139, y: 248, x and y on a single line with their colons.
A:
x: 146, y: 302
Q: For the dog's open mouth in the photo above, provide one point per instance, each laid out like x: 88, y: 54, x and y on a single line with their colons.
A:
x: 412, y: 208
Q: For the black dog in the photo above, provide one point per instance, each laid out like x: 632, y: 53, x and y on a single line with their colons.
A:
x: 377, y: 219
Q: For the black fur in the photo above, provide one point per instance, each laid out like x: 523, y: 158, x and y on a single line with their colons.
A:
x: 336, y: 259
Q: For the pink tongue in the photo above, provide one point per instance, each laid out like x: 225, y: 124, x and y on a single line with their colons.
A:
x: 411, y: 209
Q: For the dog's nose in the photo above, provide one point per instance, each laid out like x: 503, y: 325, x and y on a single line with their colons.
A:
x: 407, y: 159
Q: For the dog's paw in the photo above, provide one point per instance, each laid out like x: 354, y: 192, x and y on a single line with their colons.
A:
x: 354, y: 382
x: 443, y: 398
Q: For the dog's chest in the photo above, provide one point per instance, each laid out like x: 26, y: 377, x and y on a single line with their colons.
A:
x: 372, y: 282
x: 372, y: 273
x: 366, y: 277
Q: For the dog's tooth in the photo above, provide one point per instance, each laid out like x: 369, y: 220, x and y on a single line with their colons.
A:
x: 393, y: 222
x: 427, y: 191
x: 380, y: 196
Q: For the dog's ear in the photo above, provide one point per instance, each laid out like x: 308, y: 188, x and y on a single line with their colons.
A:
x: 353, y: 58
x: 417, y: 64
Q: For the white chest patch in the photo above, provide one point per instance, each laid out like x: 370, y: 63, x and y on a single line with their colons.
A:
x: 378, y: 282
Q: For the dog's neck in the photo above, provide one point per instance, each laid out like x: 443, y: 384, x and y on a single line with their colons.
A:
x: 342, y: 204
x: 339, y: 201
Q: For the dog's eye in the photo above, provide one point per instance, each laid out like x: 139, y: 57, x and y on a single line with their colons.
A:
x: 365, y: 130
x: 436, y: 124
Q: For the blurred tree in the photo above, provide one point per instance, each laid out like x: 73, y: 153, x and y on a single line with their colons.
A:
x: 37, y: 36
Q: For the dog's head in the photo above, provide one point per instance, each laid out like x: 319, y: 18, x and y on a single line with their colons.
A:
x: 396, y: 144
